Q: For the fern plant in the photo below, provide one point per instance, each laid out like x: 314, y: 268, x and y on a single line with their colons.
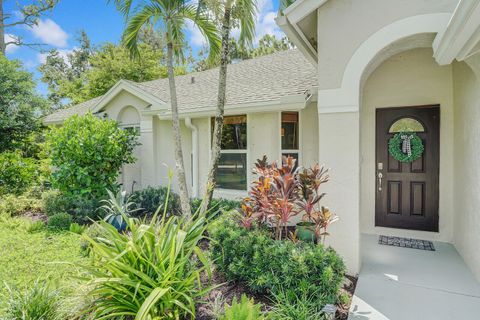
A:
x: 246, y: 309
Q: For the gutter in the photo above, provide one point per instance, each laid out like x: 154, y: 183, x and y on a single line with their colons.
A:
x: 194, y: 155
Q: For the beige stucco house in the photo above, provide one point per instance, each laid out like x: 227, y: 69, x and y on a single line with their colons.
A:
x: 362, y: 70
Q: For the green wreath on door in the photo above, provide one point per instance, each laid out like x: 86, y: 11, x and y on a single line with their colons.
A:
x: 406, y: 146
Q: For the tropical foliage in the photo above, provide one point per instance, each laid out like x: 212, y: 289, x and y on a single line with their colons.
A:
x: 87, y: 153
x: 282, y: 192
x: 148, y: 272
x: 118, y: 208
x: 172, y: 15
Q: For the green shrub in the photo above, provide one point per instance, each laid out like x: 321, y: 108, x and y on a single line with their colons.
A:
x: 11, y: 205
x: 157, y: 278
x: 60, y: 221
x: 76, y: 228
x: 290, y: 305
x: 217, y: 204
x: 40, y: 302
x: 87, y: 153
x: 35, y: 226
x: 81, y: 209
x: 246, y: 309
x: 17, y: 173
x: 268, y: 266
x: 149, y: 199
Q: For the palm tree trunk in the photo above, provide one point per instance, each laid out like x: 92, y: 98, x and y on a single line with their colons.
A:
x: 2, y: 30
x: 182, y: 181
x: 222, y: 91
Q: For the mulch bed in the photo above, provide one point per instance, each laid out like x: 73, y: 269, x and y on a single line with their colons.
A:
x: 35, y: 216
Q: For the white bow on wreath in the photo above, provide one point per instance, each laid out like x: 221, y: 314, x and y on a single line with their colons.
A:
x: 407, y: 144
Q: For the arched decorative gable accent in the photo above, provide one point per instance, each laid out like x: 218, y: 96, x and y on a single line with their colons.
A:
x: 347, y: 98
x: 129, y: 117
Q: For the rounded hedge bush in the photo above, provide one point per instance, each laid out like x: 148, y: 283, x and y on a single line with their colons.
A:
x: 60, y: 221
x: 269, y: 266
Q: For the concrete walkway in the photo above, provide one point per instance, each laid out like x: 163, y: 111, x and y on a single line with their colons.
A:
x: 409, y: 284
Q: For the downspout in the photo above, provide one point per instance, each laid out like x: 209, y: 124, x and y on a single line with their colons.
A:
x: 194, y: 129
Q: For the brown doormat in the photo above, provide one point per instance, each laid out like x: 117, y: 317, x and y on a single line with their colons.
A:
x: 406, y: 243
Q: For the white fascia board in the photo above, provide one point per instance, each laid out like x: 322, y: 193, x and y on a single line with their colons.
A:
x: 289, y: 25
x: 123, y: 85
x: 302, y: 8
x: 299, y: 41
x: 290, y: 103
x: 461, y: 35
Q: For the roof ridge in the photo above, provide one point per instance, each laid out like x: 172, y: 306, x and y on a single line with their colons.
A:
x: 230, y: 65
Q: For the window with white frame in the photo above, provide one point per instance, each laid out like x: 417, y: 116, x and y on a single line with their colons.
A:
x: 232, y: 165
x: 290, y: 135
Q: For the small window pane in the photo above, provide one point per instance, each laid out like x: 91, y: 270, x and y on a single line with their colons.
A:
x: 234, y: 135
x: 406, y: 125
x: 289, y: 130
x: 232, y: 171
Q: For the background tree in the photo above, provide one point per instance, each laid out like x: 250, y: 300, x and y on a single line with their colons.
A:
x: 230, y: 13
x: 171, y: 15
x: 87, y: 73
x: 20, y: 105
x: 65, y: 76
x: 268, y: 44
x: 29, y: 15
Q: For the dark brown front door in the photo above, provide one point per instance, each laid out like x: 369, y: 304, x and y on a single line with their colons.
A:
x: 407, y: 193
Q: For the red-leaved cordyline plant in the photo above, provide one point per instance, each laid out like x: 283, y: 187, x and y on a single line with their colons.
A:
x: 322, y: 220
x: 286, y: 189
x: 282, y: 192
x: 310, y: 181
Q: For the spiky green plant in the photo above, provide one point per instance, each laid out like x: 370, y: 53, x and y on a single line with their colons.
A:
x: 40, y: 301
x: 151, y: 272
x: 246, y: 309
x: 118, y: 209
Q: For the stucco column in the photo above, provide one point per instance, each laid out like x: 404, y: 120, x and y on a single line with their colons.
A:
x: 339, y: 150
x: 148, y: 154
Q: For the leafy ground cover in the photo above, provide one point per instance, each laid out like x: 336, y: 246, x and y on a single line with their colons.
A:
x: 28, y: 254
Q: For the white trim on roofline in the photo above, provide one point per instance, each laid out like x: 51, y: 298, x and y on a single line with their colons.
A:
x: 289, y: 103
x: 462, y: 35
x: 124, y: 85
x: 288, y: 22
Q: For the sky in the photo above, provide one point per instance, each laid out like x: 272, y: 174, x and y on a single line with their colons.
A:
x: 60, y: 29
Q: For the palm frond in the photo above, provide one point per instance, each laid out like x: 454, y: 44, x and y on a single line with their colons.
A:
x: 135, y: 24
x: 124, y: 6
x: 245, y: 14
x: 207, y: 28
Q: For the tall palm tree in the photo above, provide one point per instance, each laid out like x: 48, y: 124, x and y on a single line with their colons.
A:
x: 170, y: 16
x: 240, y: 13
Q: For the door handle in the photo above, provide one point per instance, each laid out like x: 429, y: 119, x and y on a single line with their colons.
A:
x: 379, y: 176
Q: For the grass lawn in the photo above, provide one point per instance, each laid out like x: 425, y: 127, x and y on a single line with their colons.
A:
x: 25, y: 256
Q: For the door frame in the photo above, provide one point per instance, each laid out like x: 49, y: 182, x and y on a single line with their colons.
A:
x: 378, y: 220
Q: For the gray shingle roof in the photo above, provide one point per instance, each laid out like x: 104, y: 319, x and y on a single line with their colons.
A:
x: 263, y: 79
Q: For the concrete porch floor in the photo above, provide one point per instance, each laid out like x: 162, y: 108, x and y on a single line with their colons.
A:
x: 408, y: 284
